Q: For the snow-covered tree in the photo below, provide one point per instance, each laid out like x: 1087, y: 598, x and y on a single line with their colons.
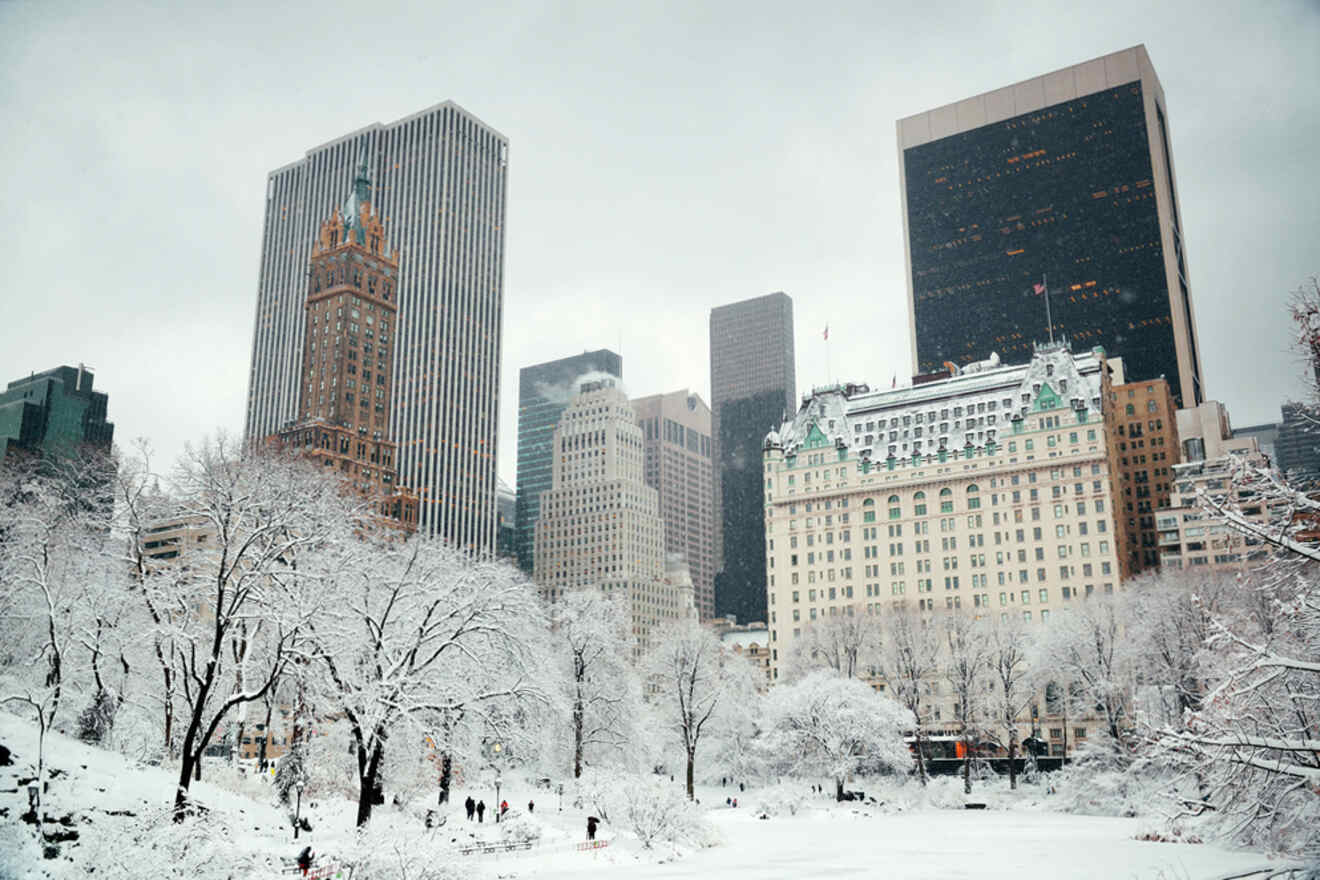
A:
x: 966, y: 660
x: 1008, y: 643
x: 53, y: 573
x: 1254, y: 741
x: 234, y: 613
x: 849, y: 644
x: 601, y: 690
x: 1086, y: 646
x: 826, y: 725
x: 908, y: 660
x: 1170, y: 616
x: 418, y: 633
x: 694, y: 684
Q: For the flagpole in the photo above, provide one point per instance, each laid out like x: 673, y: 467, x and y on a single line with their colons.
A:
x: 1044, y: 282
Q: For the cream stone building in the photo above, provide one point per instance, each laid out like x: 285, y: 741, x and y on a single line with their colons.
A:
x: 988, y: 489
x: 600, y: 525
x: 1189, y: 538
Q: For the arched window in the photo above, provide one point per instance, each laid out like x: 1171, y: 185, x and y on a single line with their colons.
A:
x: 946, y: 500
x: 1131, y: 410
x: 868, y: 515
x: 920, y: 504
x: 895, y: 508
x: 973, y: 497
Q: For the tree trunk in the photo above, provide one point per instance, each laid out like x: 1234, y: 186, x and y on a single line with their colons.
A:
x: 691, y: 764
x: 838, y: 790
x: 265, y: 740
x: 577, y: 739
x: 367, y: 780
x: 921, y: 758
x: 1012, y: 758
x: 967, y: 763
x: 446, y: 775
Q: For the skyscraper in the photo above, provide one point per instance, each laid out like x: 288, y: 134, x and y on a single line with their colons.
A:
x: 348, y: 353
x: 55, y: 413
x: 440, y: 179
x: 544, y: 390
x: 676, y: 433
x: 1065, y: 181
x: 600, y: 525
x: 753, y: 383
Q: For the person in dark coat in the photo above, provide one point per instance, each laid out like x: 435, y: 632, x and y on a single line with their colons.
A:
x: 471, y: 806
x: 305, y: 860
x: 531, y: 805
x: 592, y: 821
x: 481, y: 811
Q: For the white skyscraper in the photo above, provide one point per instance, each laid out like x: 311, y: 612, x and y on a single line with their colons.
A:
x: 440, y: 185
x: 600, y: 525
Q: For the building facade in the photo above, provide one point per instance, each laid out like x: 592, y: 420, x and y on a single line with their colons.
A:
x: 1064, y: 180
x: 753, y: 382
x: 1210, y: 448
x: 600, y: 526
x: 506, y: 541
x: 676, y: 437
x: 1148, y: 449
x: 990, y: 492
x: 55, y: 413
x: 544, y: 391
x: 349, y: 333
x: 1297, y: 444
x: 441, y: 189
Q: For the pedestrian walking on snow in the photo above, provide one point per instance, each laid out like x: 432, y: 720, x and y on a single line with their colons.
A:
x: 481, y: 811
x: 531, y: 805
x: 471, y: 806
x: 592, y: 821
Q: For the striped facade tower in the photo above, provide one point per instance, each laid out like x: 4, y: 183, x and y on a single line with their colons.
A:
x: 440, y: 187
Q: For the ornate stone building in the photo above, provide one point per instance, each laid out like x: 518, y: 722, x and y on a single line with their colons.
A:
x: 348, y: 354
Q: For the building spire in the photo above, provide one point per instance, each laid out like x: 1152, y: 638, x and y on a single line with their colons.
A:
x: 360, y: 196
x: 362, y: 182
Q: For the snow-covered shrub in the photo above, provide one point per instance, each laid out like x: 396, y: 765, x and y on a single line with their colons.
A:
x: 945, y: 793
x: 657, y: 811
x: 780, y: 800
x: 155, y: 847
x: 95, y: 721
x: 1101, y: 783
x: 383, y: 852
x: 519, y: 827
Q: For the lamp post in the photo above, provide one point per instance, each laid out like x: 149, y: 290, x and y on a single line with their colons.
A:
x: 495, y: 751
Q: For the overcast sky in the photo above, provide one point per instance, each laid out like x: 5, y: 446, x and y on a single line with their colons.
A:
x: 665, y: 158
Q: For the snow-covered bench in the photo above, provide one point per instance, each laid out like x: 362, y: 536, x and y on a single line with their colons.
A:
x: 325, y: 871
x: 490, y: 848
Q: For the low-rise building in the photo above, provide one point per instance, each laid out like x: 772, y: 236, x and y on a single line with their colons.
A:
x: 1188, y: 537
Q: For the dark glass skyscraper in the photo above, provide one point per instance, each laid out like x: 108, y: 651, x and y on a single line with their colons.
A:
x: 55, y: 413
x: 544, y: 391
x: 1065, y: 180
x: 753, y: 384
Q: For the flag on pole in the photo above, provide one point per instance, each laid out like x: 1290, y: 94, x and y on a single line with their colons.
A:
x: 1039, y: 288
x: 827, y: 332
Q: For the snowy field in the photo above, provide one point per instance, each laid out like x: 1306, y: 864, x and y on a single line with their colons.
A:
x: 244, y: 834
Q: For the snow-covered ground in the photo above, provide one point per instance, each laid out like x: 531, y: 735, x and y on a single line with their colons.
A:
x: 245, y: 835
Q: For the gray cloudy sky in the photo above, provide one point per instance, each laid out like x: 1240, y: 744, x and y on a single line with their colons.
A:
x: 665, y: 158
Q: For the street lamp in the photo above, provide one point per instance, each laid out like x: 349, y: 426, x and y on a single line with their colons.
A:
x: 494, y: 752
